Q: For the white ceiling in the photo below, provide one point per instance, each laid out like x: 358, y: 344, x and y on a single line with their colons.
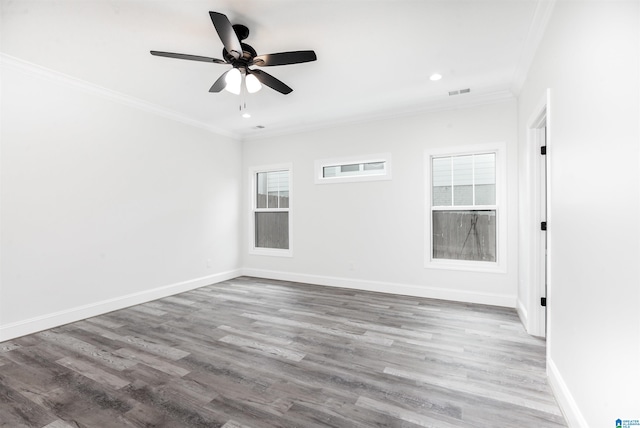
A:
x: 374, y: 57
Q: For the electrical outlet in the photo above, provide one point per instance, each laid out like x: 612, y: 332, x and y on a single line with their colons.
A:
x: 208, y: 263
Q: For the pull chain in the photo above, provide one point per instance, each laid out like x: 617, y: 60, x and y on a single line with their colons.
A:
x: 243, y: 104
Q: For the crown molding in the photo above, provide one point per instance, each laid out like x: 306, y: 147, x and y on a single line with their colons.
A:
x: 538, y: 26
x: 58, y: 77
x: 428, y: 106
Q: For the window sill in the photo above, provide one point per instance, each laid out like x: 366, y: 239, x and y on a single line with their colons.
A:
x: 270, y: 252
x: 464, y: 265
x: 353, y: 179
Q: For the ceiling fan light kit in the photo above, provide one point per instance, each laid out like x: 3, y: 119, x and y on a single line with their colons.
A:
x: 241, y: 56
x: 233, y: 81
x: 252, y: 83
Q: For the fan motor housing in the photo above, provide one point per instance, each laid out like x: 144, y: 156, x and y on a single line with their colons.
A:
x: 248, y: 53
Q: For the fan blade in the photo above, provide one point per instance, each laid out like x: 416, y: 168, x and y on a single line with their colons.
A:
x: 185, y: 56
x: 221, y: 83
x: 284, y: 58
x: 227, y: 35
x: 270, y: 81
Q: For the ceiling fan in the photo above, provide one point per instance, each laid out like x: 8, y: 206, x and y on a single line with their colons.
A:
x: 241, y: 56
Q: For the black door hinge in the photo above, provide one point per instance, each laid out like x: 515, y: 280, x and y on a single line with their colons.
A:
x: 543, y: 150
x: 543, y: 225
x: 543, y: 301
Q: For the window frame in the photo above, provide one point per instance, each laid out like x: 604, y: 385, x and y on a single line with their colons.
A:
x: 497, y: 266
x: 351, y: 160
x: 253, y: 174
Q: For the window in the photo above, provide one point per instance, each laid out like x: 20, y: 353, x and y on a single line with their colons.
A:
x: 464, y: 217
x: 362, y: 168
x: 355, y: 169
x: 271, y: 210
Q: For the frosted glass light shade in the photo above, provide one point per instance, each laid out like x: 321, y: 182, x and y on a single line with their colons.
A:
x: 234, y: 80
x: 253, y: 84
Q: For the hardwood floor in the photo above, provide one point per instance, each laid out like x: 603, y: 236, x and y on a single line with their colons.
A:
x: 259, y: 353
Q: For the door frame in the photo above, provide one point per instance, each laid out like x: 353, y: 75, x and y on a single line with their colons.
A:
x: 539, y: 283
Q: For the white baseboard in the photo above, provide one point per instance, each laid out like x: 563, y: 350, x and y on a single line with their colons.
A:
x: 568, y: 405
x: 522, y: 313
x: 388, y: 287
x: 47, y: 321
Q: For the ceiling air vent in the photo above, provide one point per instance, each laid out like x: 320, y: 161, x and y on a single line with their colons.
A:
x: 460, y: 91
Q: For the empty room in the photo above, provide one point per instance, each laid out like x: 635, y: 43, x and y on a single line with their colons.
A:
x: 357, y: 213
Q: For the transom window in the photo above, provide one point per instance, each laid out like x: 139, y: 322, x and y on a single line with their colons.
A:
x: 351, y: 169
x: 354, y: 169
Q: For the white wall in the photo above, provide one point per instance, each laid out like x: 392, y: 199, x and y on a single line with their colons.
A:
x: 378, y: 227
x: 104, y: 204
x: 589, y: 58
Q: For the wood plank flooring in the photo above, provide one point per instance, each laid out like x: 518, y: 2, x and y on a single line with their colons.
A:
x: 259, y: 353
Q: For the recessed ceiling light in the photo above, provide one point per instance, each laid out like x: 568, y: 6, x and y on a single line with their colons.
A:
x: 246, y: 115
x: 435, y: 76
